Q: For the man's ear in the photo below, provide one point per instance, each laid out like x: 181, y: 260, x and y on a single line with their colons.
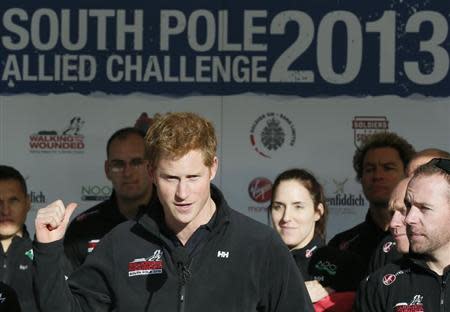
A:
x: 106, y: 168
x: 151, y: 173
x: 213, y: 168
x: 28, y: 201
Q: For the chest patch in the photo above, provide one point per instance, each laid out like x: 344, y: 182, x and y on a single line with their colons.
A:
x: 146, y: 266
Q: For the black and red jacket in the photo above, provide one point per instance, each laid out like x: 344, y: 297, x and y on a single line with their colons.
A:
x: 407, y: 285
x: 243, y: 266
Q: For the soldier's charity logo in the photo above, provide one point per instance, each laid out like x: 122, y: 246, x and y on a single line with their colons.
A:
x: 67, y: 140
x: 260, y: 190
x: 271, y: 132
x: 364, y: 126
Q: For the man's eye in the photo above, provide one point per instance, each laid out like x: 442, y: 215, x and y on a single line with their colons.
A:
x: 117, y: 165
x: 136, y: 162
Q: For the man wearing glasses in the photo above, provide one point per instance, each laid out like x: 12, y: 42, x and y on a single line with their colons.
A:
x: 126, y: 168
x: 419, y: 281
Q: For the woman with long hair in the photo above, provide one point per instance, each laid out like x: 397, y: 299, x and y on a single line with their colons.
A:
x: 298, y: 211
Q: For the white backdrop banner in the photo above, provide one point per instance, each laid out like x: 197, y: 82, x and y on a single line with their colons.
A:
x: 58, y: 142
x: 287, y: 84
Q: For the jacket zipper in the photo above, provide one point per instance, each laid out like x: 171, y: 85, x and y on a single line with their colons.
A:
x: 182, y: 297
x: 443, y: 286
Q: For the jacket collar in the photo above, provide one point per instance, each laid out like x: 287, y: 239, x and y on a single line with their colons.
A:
x: 153, y: 219
x: 309, y: 249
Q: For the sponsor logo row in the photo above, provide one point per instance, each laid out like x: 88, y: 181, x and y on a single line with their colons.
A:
x: 270, y: 133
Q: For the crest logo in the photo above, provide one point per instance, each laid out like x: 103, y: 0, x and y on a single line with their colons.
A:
x: 68, y: 140
x: 260, y: 190
x: 364, y: 126
x: 271, y: 132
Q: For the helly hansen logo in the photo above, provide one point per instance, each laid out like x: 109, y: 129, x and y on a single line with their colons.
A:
x: 222, y: 254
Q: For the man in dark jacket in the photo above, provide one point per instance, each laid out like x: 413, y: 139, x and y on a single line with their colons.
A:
x: 395, y: 245
x: 189, y: 252
x: 126, y: 168
x: 379, y: 164
x: 16, y: 255
x: 419, y: 281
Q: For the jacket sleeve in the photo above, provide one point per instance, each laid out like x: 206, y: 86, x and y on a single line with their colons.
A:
x: 369, y: 296
x: 73, y: 250
x: 87, y: 289
x: 285, y: 286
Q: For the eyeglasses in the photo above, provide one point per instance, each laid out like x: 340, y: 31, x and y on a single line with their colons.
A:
x: 118, y: 166
x: 441, y: 163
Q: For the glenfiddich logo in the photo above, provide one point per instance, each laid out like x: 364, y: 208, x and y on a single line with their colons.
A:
x: 364, y: 126
x: 68, y: 140
x: 341, y: 201
x: 271, y: 132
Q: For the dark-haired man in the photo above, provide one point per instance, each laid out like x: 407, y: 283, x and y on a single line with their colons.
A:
x: 126, y: 168
x: 379, y: 164
x: 16, y: 255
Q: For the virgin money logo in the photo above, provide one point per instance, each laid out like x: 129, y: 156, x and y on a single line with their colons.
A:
x: 260, y: 190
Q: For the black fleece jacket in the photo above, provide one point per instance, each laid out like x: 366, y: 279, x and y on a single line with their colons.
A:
x: 407, y: 285
x: 244, y: 266
x: 16, y: 271
x: 88, y: 228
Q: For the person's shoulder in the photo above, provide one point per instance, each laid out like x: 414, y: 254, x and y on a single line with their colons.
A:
x: 389, y: 273
x: 90, y: 214
x: 252, y: 233
x: 346, y: 236
x: 120, y: 234
x: 247, y: 224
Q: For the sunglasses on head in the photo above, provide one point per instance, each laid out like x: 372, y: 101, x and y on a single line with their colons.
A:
x: 441, y: 163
